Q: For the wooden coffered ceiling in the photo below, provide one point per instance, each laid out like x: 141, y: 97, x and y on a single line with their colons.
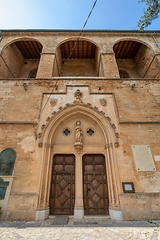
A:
x: 126, y: 49
x: 82, y: 50
x: 29, y: 49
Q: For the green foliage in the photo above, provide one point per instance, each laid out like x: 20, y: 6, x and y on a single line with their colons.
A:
x: 0, y: 210
x: 150, y: 13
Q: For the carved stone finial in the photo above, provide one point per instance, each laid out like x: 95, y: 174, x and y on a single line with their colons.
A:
x: 40, y: 145
x: 78, y: 143
x: 78, y: 95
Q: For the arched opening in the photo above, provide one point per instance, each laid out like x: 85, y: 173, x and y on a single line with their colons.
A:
x: 136, y: 59
x: 123, y: 74
x: 19, y: 59
x: 59, y: 139
x: 33, y: 73
x: 83, y: 61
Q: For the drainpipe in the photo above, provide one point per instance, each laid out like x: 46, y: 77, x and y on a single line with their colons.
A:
x: 1, y: 36
x: 156, y: 41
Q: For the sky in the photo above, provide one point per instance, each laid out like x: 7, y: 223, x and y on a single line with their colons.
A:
x: 72, y: 14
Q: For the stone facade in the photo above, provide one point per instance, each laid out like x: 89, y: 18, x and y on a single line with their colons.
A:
x: 43, y: 96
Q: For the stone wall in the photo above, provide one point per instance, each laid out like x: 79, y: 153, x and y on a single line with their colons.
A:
x: 133, y: 105
x: 140, y: 206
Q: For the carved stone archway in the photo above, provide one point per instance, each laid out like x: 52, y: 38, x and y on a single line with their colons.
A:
x: 110, y: 137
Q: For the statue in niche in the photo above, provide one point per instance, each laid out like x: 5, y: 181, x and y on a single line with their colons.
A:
x: 79, y: 135
x: 78, y: 132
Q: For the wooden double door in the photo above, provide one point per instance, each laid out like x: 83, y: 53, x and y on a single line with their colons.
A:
x: 95, y: 193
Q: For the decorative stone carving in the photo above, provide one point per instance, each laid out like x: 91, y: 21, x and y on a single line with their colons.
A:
x: 78, y: 143
x: 103, y: 102
x: 108, y: 118
x: 113, y: 126
x: 117, y: 135
x: 102, y: 113
x: 95, y: 108
x: 53, y: 113
x: 40, y: 144
x: 78, y: 95
x: 48, y: 118
x: 88, y: 105
x: 39, y: 135
x: 53, y: 102
x: 116, y: 144
x: 43, y: 126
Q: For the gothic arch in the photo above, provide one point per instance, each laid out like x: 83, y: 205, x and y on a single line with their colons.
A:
x: 110, y: 143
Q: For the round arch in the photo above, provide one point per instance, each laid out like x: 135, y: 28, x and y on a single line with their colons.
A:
x: 81, y: 39
x: 21, y: 39
x: 134, y: 40
x: 109, y: 151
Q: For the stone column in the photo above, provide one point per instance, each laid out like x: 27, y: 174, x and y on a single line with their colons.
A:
x: 45, y: 69
x: 110, y: 65
x: 79, y: 209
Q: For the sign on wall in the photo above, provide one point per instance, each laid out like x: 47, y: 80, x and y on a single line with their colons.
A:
x: 143, y: 158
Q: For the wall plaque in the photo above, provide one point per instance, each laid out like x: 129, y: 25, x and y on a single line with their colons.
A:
x: 128, y: 187
x: 7, y: 160
x: 143, y: 158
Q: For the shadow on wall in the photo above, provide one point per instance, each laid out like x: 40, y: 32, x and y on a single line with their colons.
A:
x: 136, y: 60
x: 20, y: 59
x: 84, y: 59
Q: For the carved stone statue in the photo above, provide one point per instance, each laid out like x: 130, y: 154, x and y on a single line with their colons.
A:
x: 78, y: 96
x: 79, y: 135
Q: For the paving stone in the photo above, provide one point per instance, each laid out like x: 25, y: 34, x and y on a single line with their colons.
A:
x: 60, y: 220
x: 30, y: 224
x: 82, y: 230
x: 16, y: 224
x: 144, y: 224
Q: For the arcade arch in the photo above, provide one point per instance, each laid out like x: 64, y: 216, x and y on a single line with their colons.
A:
x: 136, y: 58
x: 19, y: 58
x: 83, y: 60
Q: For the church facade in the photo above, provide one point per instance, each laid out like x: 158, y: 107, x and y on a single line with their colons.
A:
x: 79, y: 124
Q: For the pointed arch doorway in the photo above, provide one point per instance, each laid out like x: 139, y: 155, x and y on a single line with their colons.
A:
x: 98, y: 139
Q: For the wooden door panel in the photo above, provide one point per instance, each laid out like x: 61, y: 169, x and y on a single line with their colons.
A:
x: 95, y: 185
x: 62, y: 185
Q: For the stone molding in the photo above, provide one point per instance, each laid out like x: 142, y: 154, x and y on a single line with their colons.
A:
x: 80, y: 103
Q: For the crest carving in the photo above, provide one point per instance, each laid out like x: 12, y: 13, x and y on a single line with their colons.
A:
x: 103, y: 102
x: 53, y: 101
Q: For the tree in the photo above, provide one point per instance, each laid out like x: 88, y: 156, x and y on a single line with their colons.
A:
x: 151, y: 13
